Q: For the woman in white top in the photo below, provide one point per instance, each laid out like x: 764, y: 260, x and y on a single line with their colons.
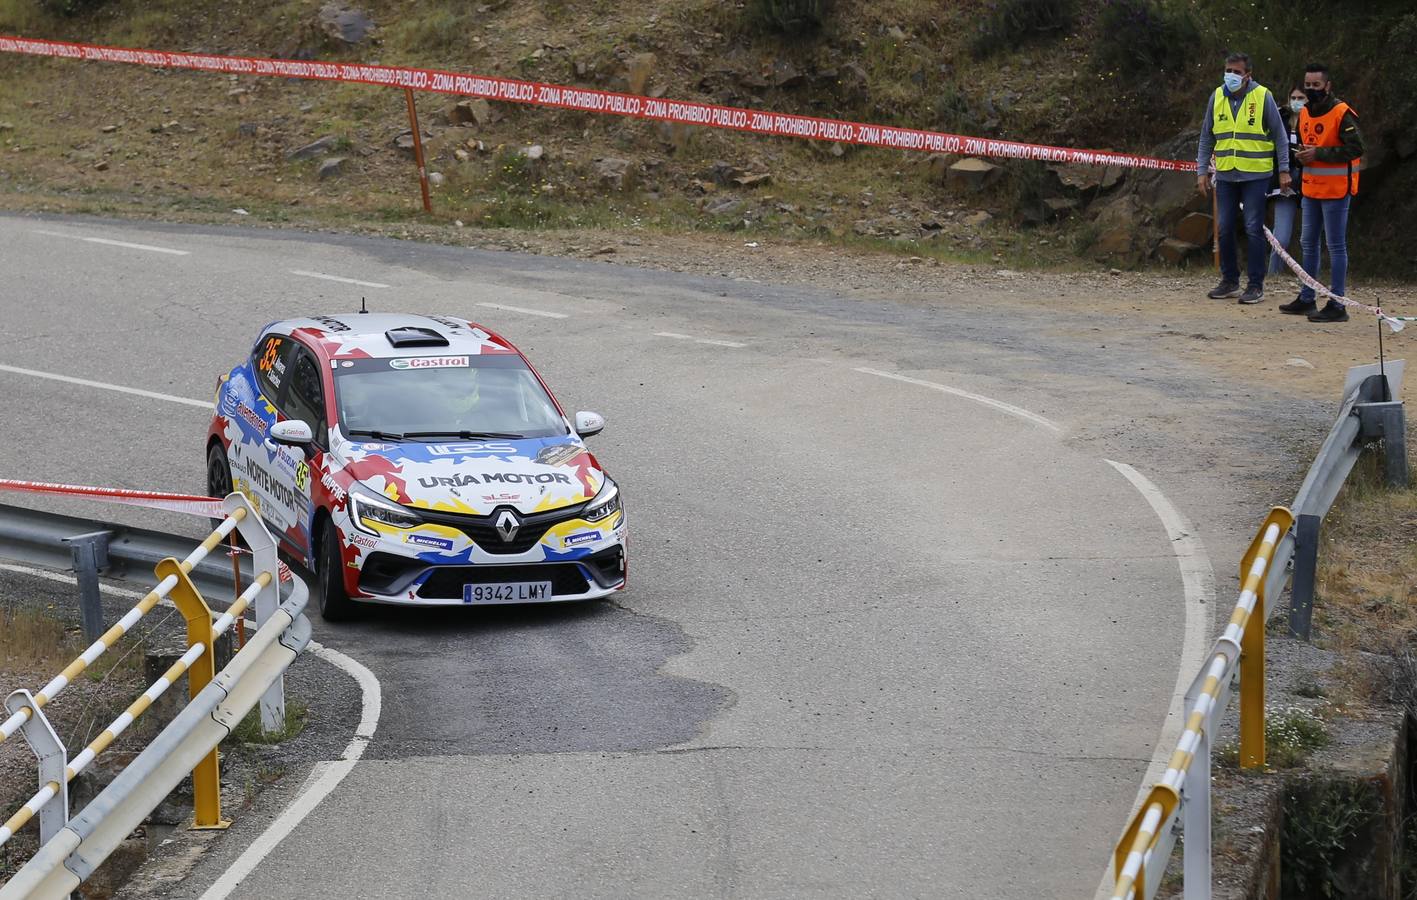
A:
x: 1285, y: 203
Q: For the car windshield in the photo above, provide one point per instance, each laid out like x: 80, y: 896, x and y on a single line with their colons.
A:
x: 429, y: 397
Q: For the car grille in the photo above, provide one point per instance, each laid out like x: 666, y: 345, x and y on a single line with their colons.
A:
x: 483, y: 529
x: 446, y: 582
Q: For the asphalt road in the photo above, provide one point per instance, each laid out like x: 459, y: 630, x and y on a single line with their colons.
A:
x: 880, y: 639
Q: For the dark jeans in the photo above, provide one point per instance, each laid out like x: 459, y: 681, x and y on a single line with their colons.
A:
x: 1330, y: 217
x: 1230, y: 196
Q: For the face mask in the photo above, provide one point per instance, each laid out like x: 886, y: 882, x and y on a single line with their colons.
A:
x: 1315, y: 96
x: 1296, y: 105
x: 1233, y: 81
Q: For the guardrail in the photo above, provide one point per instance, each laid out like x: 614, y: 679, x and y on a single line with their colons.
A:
x: 1180, y: 801
x: 71, y: 849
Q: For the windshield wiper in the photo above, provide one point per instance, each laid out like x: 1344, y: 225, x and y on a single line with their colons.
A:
x: 465, y: 435
x: 376, y: 434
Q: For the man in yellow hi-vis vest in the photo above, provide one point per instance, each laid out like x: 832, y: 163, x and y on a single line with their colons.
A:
x: 1243, y: 131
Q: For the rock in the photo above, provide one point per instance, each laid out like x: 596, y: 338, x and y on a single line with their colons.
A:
x: 973, y: 174
x: 896, y: 33
x: 436, y: 179
x: 1058, y: 207
x: 469, y: 112
x: 330, y: 167
x: 7, y: 126
x: 404, y: 141
x: 101, y: 166
x: 723, y: 173
x: 639, y: 69
x: 1298, y: 362
x: 1194, y: 228
x: 614, y: 173
x: 939, y: 165
x: 241, y: 212
x: 345, y: 23
x: 604, y: 251
x: 723, y: 206
x: 1122, y: 231
x: 461, y: 155
x: 786, y: 75
x: 977, y: 218
x: 315, y: 148
x: 1175, y: 251
x: 837, y: 150
x: 1089, y: 178
x: 109, y: 129
x: 749, y: 181
x: 247, y: 129
x: 534, y: 152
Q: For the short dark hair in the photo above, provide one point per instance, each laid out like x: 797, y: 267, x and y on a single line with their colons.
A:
x: 1321, y: 68
x: 1237, y: 57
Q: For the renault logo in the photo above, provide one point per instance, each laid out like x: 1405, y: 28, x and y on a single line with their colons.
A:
x: 507, y: 525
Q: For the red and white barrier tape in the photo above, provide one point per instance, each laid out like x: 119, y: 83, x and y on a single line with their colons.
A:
x: 181, y: 503
x: 1396, y: 323
x: 557, y: 96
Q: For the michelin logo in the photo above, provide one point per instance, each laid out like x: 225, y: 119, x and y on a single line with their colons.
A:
x: 424, y: 540
x: 583, y: 537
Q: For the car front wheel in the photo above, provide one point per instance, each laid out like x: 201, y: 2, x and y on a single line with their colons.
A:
x: 335, y: 605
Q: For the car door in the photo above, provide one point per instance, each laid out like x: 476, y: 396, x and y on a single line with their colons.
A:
x: 276, y: 478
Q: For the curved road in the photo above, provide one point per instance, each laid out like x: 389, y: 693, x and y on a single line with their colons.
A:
x: 894, y: 626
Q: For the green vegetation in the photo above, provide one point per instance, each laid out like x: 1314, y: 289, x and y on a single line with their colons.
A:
x: 1291, y: 735
x: 1325, y: 819
x: 791, y: 17
x: 1011, y: 22
x: 249, y: 730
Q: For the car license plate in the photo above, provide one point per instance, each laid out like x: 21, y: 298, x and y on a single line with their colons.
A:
x: 512, y: 592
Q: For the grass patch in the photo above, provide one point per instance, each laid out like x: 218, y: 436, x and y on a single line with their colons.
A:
x: 30, y: 639
x: 249, y: 730
x: 1291, y: 735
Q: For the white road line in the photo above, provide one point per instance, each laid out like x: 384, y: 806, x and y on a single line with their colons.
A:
x: 1000, y: 405
x: 111, y: 243
x: 103, y: 385
x: 524, y: 311
x: 689, y: 337
x: 340, y: 279
x: 1198, y: 582
x: 70, y: 579
x: 323, y: 778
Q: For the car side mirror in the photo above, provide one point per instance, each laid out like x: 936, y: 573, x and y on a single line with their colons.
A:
x: 292, y: 433
x: 589, y: 423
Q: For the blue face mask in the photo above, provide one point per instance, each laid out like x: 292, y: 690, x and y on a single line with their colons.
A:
x: 1233, y: 81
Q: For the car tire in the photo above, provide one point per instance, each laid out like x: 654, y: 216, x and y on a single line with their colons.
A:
x: 218, y: 475
x: 335, y: 605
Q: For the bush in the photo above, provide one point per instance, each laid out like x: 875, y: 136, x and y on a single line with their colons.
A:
x: 1141, y: 39
x: 791, y: 17
x: 1011, y: 22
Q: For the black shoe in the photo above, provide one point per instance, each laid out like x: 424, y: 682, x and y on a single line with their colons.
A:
x: 1333, y: 312
x: 1253, y: 294
x: 1226, y: 290
x: 1299, y: 307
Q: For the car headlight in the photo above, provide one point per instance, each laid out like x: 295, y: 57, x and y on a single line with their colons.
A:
x: 368, y: 509
x: 605, y: 504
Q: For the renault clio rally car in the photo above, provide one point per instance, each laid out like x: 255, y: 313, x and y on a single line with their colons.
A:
x: 417, y: 461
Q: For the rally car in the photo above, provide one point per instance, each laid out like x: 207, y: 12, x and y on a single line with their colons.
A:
x: 416, y: 461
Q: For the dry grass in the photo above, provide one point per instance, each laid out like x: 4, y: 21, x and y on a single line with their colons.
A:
x: 30, y: 639
x: 1365, y: 600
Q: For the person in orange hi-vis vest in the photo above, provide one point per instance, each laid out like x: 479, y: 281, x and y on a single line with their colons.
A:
x: 1332, y: 157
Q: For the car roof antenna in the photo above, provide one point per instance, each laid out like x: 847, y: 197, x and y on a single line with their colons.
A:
x: 362, y: 307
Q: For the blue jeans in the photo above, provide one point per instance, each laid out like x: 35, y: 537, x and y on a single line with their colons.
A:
x: 1230, y: 197
x: 1286, y: 210
x: 1331, y: 218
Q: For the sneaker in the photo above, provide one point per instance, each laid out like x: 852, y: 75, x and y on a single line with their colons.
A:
x: 1299, y: 307
x: 1253, y: 294
x: 1333, y: 312
x: 1225, y: 290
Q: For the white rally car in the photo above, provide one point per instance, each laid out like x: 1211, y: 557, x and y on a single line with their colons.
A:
x: 419, y: 461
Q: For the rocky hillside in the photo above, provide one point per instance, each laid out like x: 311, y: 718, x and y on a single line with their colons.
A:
x: 1126, y: 75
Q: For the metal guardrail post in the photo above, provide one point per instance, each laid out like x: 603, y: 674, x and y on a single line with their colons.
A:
x: 1195, y: 822
x: 1388, y: 421
x: 1252, y: 650
x: 45, y: 743
x: 206, y: 776
x: 90, y: 553
x: 264, y: 558
x: 1306, y: 564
